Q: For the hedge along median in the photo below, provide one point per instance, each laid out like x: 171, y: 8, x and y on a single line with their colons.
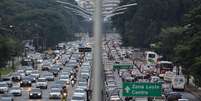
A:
x: 5, y: 70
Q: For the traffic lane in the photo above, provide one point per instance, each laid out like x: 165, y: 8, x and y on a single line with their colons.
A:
x: 25, y: 93
x: 45, y: 92
x: 187, y: 95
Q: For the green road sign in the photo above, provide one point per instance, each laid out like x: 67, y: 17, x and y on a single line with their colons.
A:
x: 141, y: 89
x: 122, y: 66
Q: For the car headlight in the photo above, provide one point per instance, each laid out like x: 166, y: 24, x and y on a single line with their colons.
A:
x: 65, y: 94
x: 30, y: 94
x: 39, y: 93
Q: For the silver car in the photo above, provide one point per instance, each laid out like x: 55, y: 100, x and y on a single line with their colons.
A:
x: 55, y: 93
x: 3, y: 87
x: 15, y: 91
x: 41, y: 83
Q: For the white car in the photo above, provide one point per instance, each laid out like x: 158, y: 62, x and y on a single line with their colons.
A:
x: 3, y: 87
x: 79, y: 91
x: 82, y: 85
x: 16, y: 91
x: 28, y: 71
x: 41, y: 83
x: 35, y: 73
x: 65, y: 78
x: 86, y: 64
x: 77, y: 97
x: 55, y: 93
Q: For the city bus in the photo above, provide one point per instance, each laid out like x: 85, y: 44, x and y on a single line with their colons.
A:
x: 151, y: 57
x: 163, y: 67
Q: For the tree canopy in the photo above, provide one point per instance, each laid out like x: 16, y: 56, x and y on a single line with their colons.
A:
x: 46, y: 19
x: 46, y: 22
x: 173, y: 26
x: 141, y: 24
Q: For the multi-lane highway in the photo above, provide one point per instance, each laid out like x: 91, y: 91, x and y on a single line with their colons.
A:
x: 60, y: 69
x: 114, y: 79
x: 68, y: 74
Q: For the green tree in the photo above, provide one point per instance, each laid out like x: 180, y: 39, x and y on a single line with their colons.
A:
x: 9, y: 47
x: 140, y: 25
x: 46, y: 19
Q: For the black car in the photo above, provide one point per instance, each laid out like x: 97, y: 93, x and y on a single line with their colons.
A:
x: 33, y: 78
x: 54, y: 71
x: 16, y: 77
x: 7, y: 97
x: 45, y: 67
x: 35, y: 93
x: 173, y: 96
x: 26, y: 82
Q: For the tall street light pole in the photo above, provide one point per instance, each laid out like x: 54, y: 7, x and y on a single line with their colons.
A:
x: 98, y: 69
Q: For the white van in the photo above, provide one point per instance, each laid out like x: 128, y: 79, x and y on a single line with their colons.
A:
x: 178, y: 82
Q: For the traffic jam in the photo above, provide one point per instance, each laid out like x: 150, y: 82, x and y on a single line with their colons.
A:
x: 136, y: 75
x: 60, y: 74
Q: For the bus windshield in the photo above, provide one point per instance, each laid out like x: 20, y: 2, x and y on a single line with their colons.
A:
x: 166, y: 66
x: 152, y: 55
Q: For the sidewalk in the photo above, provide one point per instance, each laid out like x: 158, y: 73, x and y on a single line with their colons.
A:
x: 193, y: 90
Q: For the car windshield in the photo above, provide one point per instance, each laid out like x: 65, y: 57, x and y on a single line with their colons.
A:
x: 6, y: 98
x: 41, y: 80
x: 35, y: 90
x: 15, y: 88
x: 34, y: 72
x: 79, y: 90
x: 54, y: 69
x: 49, y: 74
x: 60, y: 82
x: 55, y: 89
x: 64, y: 77
x: 58, y: 86
x: 82, y: 84
x: 6, y: 78
x: 29, y: 69
x: 77, y: 98
x: 3, y: 85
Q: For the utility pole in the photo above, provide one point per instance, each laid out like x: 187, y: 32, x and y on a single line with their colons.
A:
x: 97, y: 91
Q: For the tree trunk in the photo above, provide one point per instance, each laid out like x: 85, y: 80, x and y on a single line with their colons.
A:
x: 187, y: 77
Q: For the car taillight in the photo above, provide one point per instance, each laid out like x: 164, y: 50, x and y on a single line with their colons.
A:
x: 162, y: 71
